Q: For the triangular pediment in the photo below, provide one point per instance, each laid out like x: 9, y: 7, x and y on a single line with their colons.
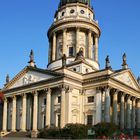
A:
x: 30, y: 75
x: 126, y: 77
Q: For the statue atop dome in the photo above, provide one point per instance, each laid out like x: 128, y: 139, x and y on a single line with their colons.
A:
x: 64, y: 2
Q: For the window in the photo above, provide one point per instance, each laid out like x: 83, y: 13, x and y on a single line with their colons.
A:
x: 70, y: 51
x: 58, y: 121
x: 44, y: 101
x: 74, y: 69
x: 82, y: 11
x: 59, y: 99
x: 63, y: 13
x: 91, y: 99
x: 89, y: 119
x: 72, y: 11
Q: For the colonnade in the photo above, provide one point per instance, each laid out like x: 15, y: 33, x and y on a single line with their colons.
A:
x: 90, y: 35
x: 120, y: 108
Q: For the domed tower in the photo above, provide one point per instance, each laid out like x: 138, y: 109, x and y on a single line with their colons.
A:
x: 74, y: 29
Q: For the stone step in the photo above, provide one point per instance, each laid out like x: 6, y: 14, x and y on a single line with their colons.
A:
x: 19, y: 134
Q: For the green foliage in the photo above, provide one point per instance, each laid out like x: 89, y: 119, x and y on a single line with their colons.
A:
x: 71, y: 131
x: 106, y: 129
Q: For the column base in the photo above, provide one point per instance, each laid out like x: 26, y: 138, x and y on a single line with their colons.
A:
x: 13, y: 131
x: 34, y: 134
x: 4, y: 133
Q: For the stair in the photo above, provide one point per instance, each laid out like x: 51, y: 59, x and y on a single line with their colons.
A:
x: 19, y: 134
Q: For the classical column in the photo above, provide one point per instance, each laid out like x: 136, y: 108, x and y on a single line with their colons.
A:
x: 54, y: 47
x: 14, y: 114
x: 4, y: 127
x: 122, y: 110
x: 49, y: 53
x: 69, y: 101
x: 64, y: 41
x: 77, y: 40
x: 133, y: 113
x: 96, y: 49
x: 89, y: 45
x: 62, y: 119
x: 103, y: 106
x: 48, y: 107
x: 107, y: 105
x: 98, y: 105
x: 115, y: 110
x: 138, y: 114
x: 23, y: 125
x: 35, y: 111
x: 128, y: 114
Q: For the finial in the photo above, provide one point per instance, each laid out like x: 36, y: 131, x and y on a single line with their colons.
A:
x: 138, y: 80
x: 64, y: 60
x: 107, y: 66
x: 7, y: 78
x: 31, y: 62
x: 124, y: 65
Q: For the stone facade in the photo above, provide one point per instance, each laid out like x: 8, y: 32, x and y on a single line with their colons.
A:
x: 72, y: 89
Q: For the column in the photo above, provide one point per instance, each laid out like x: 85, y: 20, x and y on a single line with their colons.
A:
x: 14, y: 114
x: 48, y: 107
x: 77, y: 40
x: 115, y: 110
x: 107, y: 105
x: 138, y: 114
x: 64, y: 41
x: 103, y: 106
x: 54, y: 47
x: 128, y: 114
x: 122, y: 111
x: 62, y: 119
x: 96, y: 49
x: 89, y: 45
x: 35, y: 111
x: 23, y: 125
x: 49, y: 53
x: 133, y: 113
x: 69, y: 101
x: 4, y: 127
x: 98, y: 105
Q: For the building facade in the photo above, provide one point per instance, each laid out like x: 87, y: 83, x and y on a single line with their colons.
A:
x: 73, y: 89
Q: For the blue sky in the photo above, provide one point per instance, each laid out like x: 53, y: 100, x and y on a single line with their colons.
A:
x: 24, y: 25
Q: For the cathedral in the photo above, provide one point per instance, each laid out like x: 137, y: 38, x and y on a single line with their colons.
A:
x: 73, y: 88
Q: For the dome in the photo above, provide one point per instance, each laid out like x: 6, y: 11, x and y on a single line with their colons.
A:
x: 64, y: 2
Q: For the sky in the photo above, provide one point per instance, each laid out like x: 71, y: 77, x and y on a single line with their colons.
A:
x: 24, y: 25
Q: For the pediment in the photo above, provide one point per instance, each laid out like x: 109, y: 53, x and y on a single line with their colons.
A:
x: 28, y: 76
x: 126, y: 77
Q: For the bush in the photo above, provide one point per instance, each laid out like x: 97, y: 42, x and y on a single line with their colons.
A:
x: 106, y: 129
x: 70, y: 131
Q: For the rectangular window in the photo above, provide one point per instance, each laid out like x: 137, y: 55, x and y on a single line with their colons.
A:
x: 59, y: 99
x: 44, y: 101
x: 89, y: 119
x: 70, y: 51
x: 58, y: 116
x: 91, y: 99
